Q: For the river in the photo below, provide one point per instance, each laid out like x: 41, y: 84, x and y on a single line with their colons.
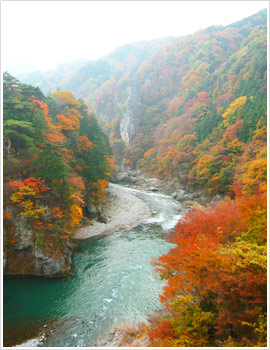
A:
x: 113, y: 282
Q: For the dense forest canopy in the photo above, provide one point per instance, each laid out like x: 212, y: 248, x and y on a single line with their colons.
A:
x: 57, y: 162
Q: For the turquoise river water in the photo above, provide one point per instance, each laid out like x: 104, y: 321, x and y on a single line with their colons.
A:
x: 113, y: 282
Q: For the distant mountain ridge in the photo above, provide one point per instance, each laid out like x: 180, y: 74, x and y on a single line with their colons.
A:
x: 125, y: 59
x: 162, y: 101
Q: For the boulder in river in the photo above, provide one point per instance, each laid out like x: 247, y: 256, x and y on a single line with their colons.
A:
x: 185, y: 196
x: 134, y: 173
x: 153, y: 189
x: 181, y: 195
x: 102, y: 219
x: 122, y: 177
x: 133, y: 179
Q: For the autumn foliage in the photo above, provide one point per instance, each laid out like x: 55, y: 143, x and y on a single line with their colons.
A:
x: 201, y: 101
x: 216, y: 293
x: 214, y: 139
x: 55, y: 159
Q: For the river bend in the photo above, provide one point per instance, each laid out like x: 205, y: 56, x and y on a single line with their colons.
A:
x: 113, y: 282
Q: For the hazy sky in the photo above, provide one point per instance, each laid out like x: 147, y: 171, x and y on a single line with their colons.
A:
x: 45, y: 33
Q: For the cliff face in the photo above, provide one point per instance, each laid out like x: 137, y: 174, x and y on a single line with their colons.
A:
x: 25, y: 255
x: 128, y: 123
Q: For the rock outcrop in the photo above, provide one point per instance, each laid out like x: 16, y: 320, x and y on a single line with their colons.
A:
x: 24, y: 255
x: 128, y: 123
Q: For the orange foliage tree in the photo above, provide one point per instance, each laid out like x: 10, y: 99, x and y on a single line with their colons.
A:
x: 216, y: 276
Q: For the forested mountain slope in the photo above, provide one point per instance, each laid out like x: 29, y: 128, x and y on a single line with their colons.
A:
x: 189, y: 108
x: 57, y: 162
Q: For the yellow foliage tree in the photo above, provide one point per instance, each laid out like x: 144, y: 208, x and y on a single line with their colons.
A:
x: 234, y: 111
x: 203, y: 172
x: 255, y: 174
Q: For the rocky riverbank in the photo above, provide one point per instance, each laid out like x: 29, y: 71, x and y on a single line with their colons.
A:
x: 121, y: 210
x: 178, y: 191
